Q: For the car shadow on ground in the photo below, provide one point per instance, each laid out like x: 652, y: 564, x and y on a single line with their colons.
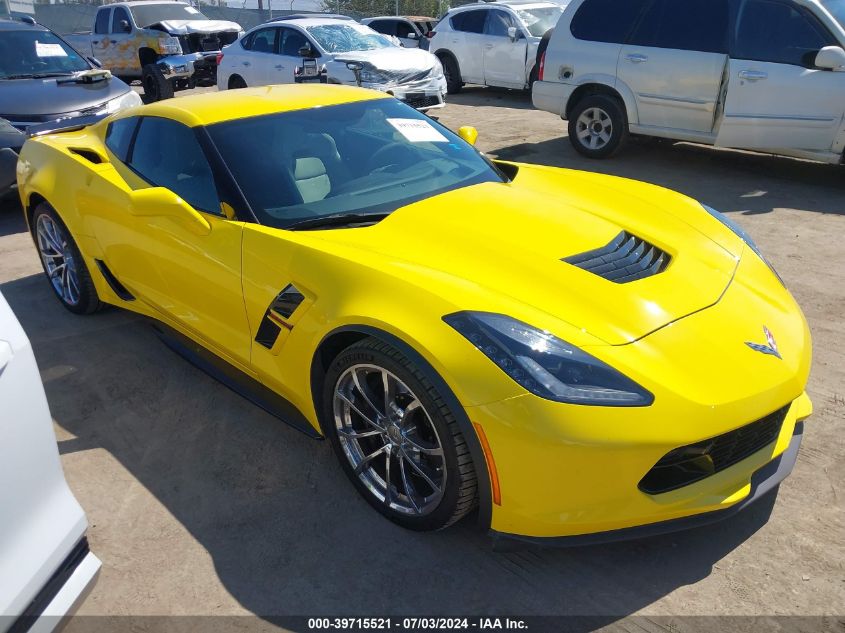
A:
x: 715, y: 176
x: 11, y: 215
x: 286, y: 531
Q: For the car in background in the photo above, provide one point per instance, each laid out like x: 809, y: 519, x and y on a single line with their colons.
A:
x: 766, y: 75
x: 170, y: 46
x: 412, y: 31
x: 331, y: 50
x: 492, y: 44
x: 43, y: 79
x: 46, y: 566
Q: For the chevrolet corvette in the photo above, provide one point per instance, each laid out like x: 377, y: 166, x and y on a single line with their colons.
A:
x: 579, y: 357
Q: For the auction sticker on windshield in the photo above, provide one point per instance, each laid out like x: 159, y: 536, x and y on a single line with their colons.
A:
x: 49, y: 50
x: 418, y: 131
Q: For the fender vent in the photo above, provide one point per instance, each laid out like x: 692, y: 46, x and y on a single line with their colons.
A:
x: 626, y: 258
x: 118, y: 288
x: 90, y: 155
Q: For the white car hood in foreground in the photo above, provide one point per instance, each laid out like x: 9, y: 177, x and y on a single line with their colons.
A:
x: 183, y: 27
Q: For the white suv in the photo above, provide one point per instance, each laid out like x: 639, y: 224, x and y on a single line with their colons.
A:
x: 46, y: 568
x: 766, y: 75
x: 492, y: 44
x: 412, y: 31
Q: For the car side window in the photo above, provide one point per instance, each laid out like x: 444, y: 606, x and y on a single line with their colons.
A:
x: 101, y: 24
x: 290, y: 41
x: 262, y: 41
x: 387, y: 27
x: 119, y: 137
x: 469, y: 21
x: 690, y: 25
x: 167, y: 154
x: 498, y: 22
x: 404, y: 29
x: 119, y: 16
x: 778, y: 32
x: 607, y: 21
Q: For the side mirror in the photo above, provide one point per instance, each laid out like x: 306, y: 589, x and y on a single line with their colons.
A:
x: 411, y: 36
x: 8, y: 168
x: 513, y: 33
x: 468, y: 133
x: 125, y: 27
x: 307, y: 51
x: 159, y: 202
x: 831, y: 58
x: 96, y: 62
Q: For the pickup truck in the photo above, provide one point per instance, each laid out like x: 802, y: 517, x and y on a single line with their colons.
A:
x: 168, y: 45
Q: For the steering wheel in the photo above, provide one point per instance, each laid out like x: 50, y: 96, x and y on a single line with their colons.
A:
x: 381, y: 159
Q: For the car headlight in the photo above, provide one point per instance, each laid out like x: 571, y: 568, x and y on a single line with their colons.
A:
x: 169, y: 46
x: 741, y: 234
x: 437, y: 70
x: 545, y: 365
x: 369, y: 76
x: 126, y: 100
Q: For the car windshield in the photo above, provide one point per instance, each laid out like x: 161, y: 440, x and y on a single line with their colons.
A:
x: 31, y: 53
x: 367, y: 157
x: 344, y: 38
x: 147, y: 14
x: 538, y: 20
x: 837, y: 9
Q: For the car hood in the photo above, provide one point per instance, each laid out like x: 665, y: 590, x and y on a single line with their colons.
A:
x: 183, y: 27
x: 393, y: 59
x: 509, y: 241
x: 37, y: 100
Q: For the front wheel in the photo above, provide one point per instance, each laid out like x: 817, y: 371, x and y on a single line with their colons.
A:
x: 156, y: 85
x: 598, y: 126
x: 454, y: 83
x: 396, y: 438
x: 63, y: 263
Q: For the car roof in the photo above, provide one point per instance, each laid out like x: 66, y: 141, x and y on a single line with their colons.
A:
x: 401, y: 17
x: 226, y: 105
x: 526, y: 4
x: 135, y: 3
x: 17, y: 25
x: 309, y: 21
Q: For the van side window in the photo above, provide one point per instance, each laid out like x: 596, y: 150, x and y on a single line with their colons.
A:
x: 605, y: 20
x: 689, y: 25
x: 777, y: 32
x: 101, y: 25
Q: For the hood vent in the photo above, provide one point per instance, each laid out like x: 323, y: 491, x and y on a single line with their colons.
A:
x: 626, y: 258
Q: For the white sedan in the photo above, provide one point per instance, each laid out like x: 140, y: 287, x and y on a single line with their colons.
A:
x: 46, y: 568
x: 331, y: 50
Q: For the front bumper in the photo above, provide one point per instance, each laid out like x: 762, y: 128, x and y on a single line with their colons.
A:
x: 199, y: 67
x: 426, y: 94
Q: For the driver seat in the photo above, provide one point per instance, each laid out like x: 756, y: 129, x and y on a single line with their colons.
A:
x: 311, y: 178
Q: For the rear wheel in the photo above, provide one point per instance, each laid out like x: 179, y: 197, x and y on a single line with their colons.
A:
x: 452, y: 74
x: 598, y: 126
x: 63, y: 263
x: 396, y: 438
x: 156, y: 85
x: 236, y: 81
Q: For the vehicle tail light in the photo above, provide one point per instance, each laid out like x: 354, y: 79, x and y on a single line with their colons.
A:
x: 542, y: 66
x: 219, y: 58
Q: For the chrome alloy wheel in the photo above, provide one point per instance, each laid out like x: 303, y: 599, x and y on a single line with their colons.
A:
x: 58, y: 259
x: 389, y: 440
x: 594, y: 128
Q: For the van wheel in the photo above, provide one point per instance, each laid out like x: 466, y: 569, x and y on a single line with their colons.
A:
x: 453, y: 74
x: 156, y: 86
x: 598, y: 126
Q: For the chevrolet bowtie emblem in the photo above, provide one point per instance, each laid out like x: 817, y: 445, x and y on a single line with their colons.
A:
x: 771, y: 346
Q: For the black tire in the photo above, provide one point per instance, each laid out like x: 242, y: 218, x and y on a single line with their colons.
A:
x: 87, y: 300
x: 459, y: 494
x: 607, y: 111
x: 156, y: 86
x: 454, y: 84
x: 236, y: 81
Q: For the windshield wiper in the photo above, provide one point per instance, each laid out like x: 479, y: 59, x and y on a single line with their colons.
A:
x: 38, y: 75
x: 337, y: 219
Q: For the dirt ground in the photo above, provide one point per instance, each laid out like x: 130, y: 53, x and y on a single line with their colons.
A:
x: 200, y: 503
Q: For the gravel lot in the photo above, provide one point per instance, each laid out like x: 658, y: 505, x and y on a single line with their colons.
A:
x: 200, y: 503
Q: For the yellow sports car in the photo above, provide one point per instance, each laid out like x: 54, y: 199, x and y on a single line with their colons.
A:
x: 581, y: 357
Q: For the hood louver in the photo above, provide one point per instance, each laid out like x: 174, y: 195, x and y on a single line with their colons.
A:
x: 626, y: 258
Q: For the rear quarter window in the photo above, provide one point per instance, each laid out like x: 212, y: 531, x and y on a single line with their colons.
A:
x: 469, y: 21
x: 119, y: 137
x: 606, y: 20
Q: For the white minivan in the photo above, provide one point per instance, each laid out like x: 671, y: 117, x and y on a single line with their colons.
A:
x: 766, y: 75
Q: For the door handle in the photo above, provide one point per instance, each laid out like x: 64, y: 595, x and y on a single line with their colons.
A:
x: 246, y: 63
x: 753, y: 75
x: 279, y: 67
x: 488, y: 46
x: 636, y: 58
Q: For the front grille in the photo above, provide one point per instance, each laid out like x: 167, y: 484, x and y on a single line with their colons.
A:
x: 688, y: 464
x: 626, y: 258
x: 421, y: 101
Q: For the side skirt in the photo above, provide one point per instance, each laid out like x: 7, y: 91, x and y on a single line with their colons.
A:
x: 235, y: 379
